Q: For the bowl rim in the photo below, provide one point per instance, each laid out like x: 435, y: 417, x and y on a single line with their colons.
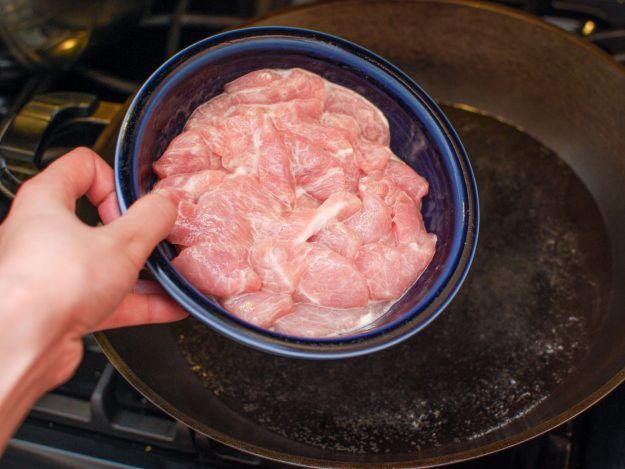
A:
x: 411, y: 322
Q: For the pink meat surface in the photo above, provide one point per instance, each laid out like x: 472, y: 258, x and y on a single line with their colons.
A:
x: 280, y: 264
x: 308, y: 320
x: 211, y: 222
x: 272, y: 86
x: 189, y: 152
x: 218, y: 270
x: 191, y: 186
x: 407, y: 179
x: 373, y: 222
x: 331, y: 280
x: 260, y: 308
x: 390, y: 270
x: 340, y: 238
x: 373, y: 125
x: 292, y: 209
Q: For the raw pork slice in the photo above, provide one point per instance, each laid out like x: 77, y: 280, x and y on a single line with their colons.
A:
x: 308, y: 320
x: 373, y: 222
x: 390, y: 270
x: 216, y: 270
x: 408, y: 180
x: 340, y: 238
x: 331, y: 280
x: 272, y: 86
x: 279, y: 263
x: 192, y: 185
x: 211, y: 222
x: 260, y: 308
x: 314, y: 169
x: 408, y: 222
x: 187, y: 153
x: 373, y: 124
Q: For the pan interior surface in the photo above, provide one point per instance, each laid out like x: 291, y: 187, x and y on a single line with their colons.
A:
x: 524, y: 318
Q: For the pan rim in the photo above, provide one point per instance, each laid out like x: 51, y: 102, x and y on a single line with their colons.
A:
x: 479, y: 5
x: 459, y: 456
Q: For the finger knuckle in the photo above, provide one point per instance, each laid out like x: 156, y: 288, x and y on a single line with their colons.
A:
x: 29, y: 188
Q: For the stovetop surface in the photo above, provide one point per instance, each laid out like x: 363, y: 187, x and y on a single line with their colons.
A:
x: 99, y: 420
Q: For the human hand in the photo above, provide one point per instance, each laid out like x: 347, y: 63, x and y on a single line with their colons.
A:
x: 60, y: 278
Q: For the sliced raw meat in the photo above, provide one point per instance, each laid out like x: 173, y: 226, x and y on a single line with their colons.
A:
x: 391, y: 270
x: 242, y: 135
x: 244, y: 194
x: 372, y: 156
x: 321, y: 182
x: 296, y: 110
x: 340, y: 238
x: 341, y: 121
x: 187, y: 153
x: 282, y: 114
x: 272, y: 86
x: 191, y: 185
x: 388, y: 274
x: 304, y: 223
x: 210, y: 222
x: 315, y: 171
x: 331, y: 280
x: 407, y: 221
x: 245, y: 197
x: 330, y: 141
x: 218, y: 270
x: 336, y: 142
x: 214, y: 112
x: 256, y: 148
x: 308, y: 320
x: 338, y: 206
x: 407, y: 179
x: 371, y: 121
x: 373, y: 221
x: 279, y: 264
x: 378, y: 184
x: 259, y: 308
x: 305, y: 201
x: 210, y: 113
x: 274, y: 165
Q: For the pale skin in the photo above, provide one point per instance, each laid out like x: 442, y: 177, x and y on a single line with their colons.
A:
x: 61, y: 279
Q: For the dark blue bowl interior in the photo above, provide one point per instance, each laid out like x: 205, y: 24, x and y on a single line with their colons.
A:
x: 166, y: 101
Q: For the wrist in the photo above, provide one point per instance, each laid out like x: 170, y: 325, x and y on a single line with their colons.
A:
x: 28, y: 355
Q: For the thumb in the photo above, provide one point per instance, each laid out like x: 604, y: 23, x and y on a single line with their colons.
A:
x: 147, y: 222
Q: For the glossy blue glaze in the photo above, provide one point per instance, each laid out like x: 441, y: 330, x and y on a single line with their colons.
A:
x: 420, y: 135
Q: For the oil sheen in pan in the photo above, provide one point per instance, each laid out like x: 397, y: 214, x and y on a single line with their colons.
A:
x: 524, y: 317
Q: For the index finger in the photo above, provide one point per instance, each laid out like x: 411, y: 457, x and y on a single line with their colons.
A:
x: 77, y: 173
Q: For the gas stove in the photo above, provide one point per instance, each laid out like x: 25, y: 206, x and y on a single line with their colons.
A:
x: 97, y: 419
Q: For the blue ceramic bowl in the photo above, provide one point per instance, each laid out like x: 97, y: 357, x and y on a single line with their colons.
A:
x: 420, y: 133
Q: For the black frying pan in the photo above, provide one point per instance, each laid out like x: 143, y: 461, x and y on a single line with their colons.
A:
x: 535, y: 336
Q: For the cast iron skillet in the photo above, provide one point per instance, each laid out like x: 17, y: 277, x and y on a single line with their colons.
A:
x: 534, y: 337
